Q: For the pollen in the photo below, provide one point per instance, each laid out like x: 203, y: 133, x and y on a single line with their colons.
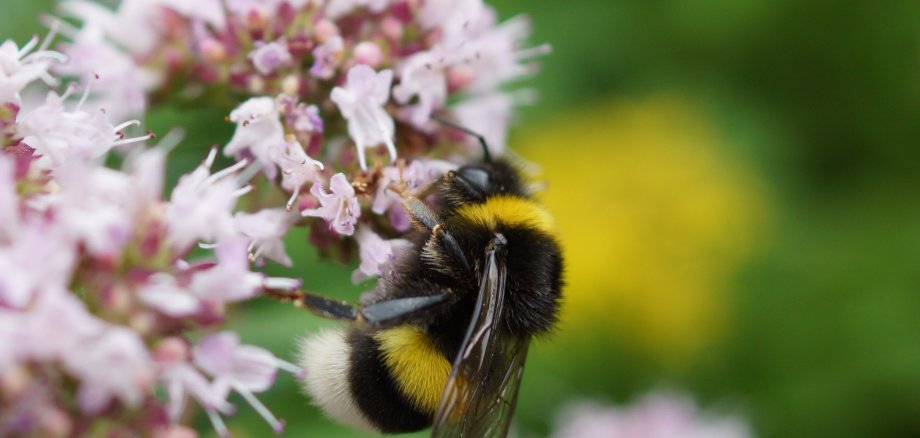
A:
x: 508, y: 211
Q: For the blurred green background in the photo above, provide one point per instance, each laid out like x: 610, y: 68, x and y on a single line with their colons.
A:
x: 736, y: 185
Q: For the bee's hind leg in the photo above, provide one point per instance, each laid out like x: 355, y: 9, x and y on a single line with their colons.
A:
x: 381, y: 313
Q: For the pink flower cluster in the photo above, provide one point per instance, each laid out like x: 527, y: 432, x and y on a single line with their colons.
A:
x: 656, y: 415
x: 335, y: 101
x: 100, y: 296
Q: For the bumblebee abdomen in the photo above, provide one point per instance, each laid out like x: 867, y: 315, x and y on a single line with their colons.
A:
x: 415, y: 363
x: 386, y: 381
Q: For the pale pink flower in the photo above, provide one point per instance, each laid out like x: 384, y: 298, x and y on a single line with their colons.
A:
x: 449, y: 14
x: 134, y: 25
x: 339, y: 208
x: 268, y: 57
x: 656, y: 415
x: 245, y: 369
x: 377, y: 254
x: 201, y: 205
x: 305, y: 118
x: 327, y: 56
x: 410, y: 179
x: 423, y: 74
x: 120, y: 85
x: 161, y: 292
x: 114, y: 364
x: 19, y: 67
x: 297, y: 169
x: 361, y: 102
x: 336, y: 9
x: 489, y: 116
x: 94, y: 207
x: 9, y: 200
x: 266, y: 229
x: 495, y: 53
x: 174, y: 368
x: 208, y: 11
x: 258, y: 134
x: 39, y: 258
x: 57, y: 325
x: 62, y: 136
x: 230, y: 279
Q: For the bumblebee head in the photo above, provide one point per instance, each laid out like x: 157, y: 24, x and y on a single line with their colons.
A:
x: 475, y: 182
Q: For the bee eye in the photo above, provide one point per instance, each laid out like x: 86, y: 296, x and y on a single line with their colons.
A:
x: 477, y: 177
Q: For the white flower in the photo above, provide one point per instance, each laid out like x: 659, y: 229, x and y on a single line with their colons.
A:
x: 258, y: 133
x: 361, y: 102
x: 339, y: 208
x: 201, y: 205
x: 376, y: 254
x: 265, y: 229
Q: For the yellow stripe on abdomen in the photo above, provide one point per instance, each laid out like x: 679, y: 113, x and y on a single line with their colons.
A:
x: 508, y: 210
x: 418, y: 367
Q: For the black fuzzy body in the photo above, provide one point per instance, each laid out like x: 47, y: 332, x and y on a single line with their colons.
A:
x: 533, y: 288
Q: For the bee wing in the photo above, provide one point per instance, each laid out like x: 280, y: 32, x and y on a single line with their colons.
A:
x: 481, y: 392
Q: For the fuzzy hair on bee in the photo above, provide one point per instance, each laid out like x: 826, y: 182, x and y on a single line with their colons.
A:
x: 483, y: 276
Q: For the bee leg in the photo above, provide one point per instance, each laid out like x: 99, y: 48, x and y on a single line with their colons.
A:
x: 381, y: 313
x: 399, y: 310
x: 424, y: 218
x: 318, y: 305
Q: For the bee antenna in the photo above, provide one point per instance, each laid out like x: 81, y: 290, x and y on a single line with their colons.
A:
x: 486, y: 155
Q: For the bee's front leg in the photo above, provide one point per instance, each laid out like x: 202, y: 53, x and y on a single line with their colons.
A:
x: 425, y: 219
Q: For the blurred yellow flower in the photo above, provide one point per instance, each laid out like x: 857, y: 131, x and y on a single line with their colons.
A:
x: 655, y: 218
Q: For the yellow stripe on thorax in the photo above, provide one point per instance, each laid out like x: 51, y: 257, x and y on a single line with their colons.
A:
x: 510, y: 211
x: 419, y: 369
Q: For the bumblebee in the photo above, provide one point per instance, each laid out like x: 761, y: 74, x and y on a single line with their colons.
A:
x: 441, y: 343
